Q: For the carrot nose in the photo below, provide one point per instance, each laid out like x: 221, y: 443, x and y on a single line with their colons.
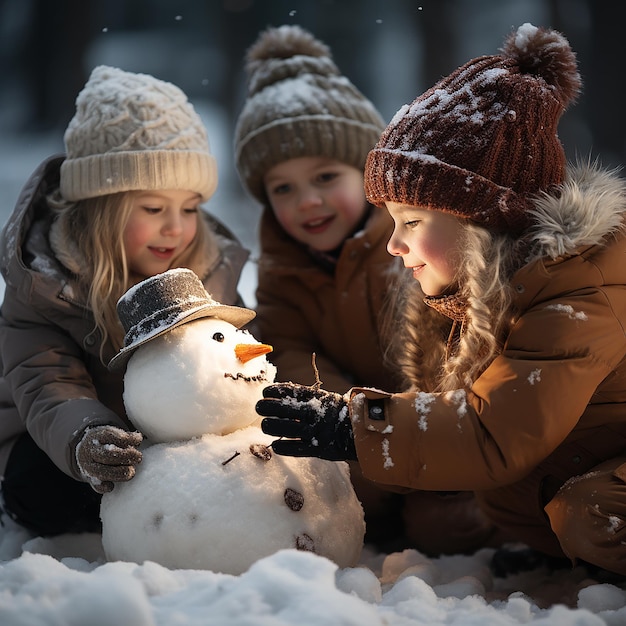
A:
x: 247, y: 351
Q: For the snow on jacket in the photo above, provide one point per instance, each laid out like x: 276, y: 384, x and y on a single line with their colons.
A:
x: 303, y: 309
x: 54, y: 384
x: 552, y: 405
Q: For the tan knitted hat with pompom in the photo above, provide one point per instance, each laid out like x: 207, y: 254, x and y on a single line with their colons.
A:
x: 299, y: 105
x: 484, y: 139
x: 134, y: 132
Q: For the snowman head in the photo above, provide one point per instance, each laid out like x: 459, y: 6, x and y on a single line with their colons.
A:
x: 202, y: 377
x: 191, y: 370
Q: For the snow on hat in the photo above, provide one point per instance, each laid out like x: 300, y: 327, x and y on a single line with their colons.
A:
x: 484, y: 139
x: 299, y: 105
x: 134, y: 132
x: 165, y: 301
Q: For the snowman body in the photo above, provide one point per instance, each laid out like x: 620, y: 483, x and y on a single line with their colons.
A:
x: 210, y: 493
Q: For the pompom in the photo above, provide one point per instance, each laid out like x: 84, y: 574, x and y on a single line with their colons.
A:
x: 286, y: 52
x: 547, y: 54
x: 284, y: 42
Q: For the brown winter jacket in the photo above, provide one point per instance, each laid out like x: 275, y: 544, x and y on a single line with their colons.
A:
x: 552, y: 405
x: 54, y: 384
x: 303, y: 309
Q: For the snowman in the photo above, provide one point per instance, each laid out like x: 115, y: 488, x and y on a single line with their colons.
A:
x: 209, y: 492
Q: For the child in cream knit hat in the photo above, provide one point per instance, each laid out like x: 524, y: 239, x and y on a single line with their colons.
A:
x: 123, y: 204
x: 324, y: 273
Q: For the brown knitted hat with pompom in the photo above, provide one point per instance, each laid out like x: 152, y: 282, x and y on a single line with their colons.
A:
x: 299, y: 105
x: 484, y: 139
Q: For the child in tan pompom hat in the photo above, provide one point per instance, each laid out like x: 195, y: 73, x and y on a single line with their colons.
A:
x: 324, y: 274
x: 511, y: 323
x: 123, y: 204
x: 301, y: 141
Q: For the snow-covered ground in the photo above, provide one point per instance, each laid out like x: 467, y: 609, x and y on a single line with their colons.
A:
x: 66, y: 581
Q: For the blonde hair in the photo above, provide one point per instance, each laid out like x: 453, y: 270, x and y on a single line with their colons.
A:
x: 94, y: 230
x: 418, y: 335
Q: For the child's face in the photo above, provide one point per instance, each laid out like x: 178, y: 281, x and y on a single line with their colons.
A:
x: 428, y: 242
x: 160, y: 227
x: 318, y: 201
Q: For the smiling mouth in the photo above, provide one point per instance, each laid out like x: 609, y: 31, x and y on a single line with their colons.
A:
x: 261, y: 377
x: 162, y: 252
x: 317, y: 225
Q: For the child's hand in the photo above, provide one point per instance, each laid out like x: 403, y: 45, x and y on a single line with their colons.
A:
x: 106, y: 455
x: 316, y: 421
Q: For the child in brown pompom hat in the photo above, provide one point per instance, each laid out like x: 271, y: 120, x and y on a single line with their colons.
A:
x: 511, y: 323
x: 324, y: 274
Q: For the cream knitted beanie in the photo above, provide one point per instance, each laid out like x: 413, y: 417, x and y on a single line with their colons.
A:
x: 298, y: 105
x: 134, y: 132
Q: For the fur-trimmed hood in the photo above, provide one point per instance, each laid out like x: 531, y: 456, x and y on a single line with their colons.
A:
x: 590, y: 207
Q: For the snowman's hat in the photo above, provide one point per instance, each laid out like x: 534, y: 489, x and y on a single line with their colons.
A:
x: 162, y: 302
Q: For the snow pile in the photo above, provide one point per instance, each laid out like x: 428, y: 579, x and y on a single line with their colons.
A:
x: 62, y: 580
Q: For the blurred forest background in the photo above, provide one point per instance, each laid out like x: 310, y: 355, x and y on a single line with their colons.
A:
x: 391, y: 49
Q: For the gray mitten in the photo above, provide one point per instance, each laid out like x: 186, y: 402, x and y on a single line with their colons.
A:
x: 107, y: 455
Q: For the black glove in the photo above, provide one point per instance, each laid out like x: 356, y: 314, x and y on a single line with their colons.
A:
x: 316, y: 422
x: 107, y: 455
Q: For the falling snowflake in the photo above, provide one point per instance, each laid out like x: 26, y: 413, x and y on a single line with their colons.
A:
x: 534, y: 377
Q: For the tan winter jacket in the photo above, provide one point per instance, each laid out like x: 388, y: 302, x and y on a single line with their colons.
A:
x: 302, y: 309
x: 53, y: 383
x: 553, y: 404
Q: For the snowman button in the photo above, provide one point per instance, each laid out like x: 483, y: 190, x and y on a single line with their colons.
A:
x: 305, y: 542
x: 260, y: 451
x: 293, y: 499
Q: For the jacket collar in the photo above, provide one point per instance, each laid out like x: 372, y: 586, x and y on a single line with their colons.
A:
x: 452, y: 306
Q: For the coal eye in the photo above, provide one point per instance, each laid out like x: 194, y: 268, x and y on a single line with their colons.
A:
x: 218, y: 337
